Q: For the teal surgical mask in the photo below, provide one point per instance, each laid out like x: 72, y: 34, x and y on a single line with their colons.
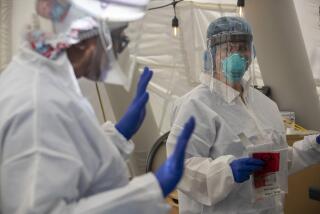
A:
x: 234, y: 67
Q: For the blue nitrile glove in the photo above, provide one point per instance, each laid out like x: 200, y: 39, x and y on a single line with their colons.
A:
x: 170, y: 172
x: 133, y: 118
x: 318, y: 139
x: 244, y: 167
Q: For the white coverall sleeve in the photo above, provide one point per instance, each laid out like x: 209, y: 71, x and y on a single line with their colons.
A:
x: 141, y: 196
x: 42, y: 171
x: 205, y: 180
x: 303, y: 154
x: 124, y: 146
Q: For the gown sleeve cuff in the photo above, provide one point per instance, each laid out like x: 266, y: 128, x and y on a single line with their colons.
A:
x: 124, y: 146
x: 313, y: 142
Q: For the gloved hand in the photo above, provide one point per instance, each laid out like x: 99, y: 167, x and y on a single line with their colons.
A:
x: 244, y: 167
x: 170, y: 172
x: 318, y: 139
x: 133, y: 118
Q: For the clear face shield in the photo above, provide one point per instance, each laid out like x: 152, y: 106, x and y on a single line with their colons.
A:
x: 113, y: 61
x: 231, y: 57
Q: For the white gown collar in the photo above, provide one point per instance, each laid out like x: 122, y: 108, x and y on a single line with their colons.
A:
x: 228, y: 93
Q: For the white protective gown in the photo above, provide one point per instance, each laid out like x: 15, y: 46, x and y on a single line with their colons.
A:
x: 208, y: 185
x: 55, y: 156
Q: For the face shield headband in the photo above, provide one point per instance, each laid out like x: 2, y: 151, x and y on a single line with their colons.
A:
x: 228, y: 37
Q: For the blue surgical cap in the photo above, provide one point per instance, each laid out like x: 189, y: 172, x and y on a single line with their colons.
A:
x: 223, y: 25
x: 228, y: 25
